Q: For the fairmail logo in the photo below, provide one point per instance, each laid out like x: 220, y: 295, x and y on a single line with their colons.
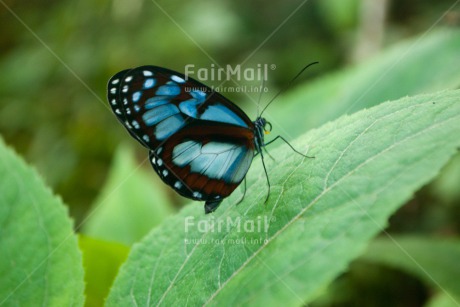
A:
x: 229, y: 72
x: 260, y: 224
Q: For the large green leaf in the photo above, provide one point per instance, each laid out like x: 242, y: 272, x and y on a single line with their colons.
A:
x: 424, y: 64
x: 320, y: 215
x: 435, y: 261
x: 40, y: 262
x: 442, y: 300
x: 132, y: 202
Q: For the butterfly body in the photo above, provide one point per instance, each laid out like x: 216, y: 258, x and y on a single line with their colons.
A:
x: 200, y: 143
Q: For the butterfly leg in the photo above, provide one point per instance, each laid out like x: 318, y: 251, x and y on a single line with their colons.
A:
x: 266, y: 151
x: 244, y: 193
x: 280, y: 137
x: 266, y: 175
x: 211, y: 206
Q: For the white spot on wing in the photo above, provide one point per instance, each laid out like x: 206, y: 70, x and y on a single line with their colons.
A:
x: 136, y: 96
x: 147, y: 73
x: 165, y: 173
x: 115, y: 81
x: 160, y: 162
x: 177, y: 79
x: 113, y: 90
x: 129, y: 78
x: 149, y: 83
x: 197, y: 195
x: 178, y: 184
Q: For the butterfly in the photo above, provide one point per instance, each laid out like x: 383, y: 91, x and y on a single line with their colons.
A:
x: 200, y: 143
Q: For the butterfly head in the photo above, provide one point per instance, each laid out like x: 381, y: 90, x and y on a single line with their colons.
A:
x: 262, y: 127
x: 267, y: 127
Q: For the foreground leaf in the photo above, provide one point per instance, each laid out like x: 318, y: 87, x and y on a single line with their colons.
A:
x: 40, y: 262
x: 321, y: 212
x: 435, y: 261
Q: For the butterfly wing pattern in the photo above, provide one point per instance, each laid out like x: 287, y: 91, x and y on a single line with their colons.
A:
x: 200, y: 143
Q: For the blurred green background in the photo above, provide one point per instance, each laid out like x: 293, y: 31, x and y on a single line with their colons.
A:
x: 57, y: 56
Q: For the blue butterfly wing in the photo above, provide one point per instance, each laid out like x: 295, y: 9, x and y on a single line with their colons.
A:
x: 203, y: 166
x: 118, y: 106
x: 201, y: 144
x: 153, y: 103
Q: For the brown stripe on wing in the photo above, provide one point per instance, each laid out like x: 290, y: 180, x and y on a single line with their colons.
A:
x: 204, y: 132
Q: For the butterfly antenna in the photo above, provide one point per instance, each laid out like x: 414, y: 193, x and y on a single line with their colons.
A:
x: 287, y: 86
x: 260, y: 96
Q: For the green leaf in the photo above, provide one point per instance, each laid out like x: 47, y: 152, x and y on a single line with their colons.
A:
x: 101, y: 260
x: 442, y: 300
x: 40, y: 260
x: 424, y: 64
x: 434, y: 261
x: 131, y: 203
x: 320, y: 215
